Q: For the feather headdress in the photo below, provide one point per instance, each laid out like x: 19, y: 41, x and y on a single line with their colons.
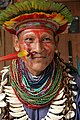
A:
x: 54, y: 15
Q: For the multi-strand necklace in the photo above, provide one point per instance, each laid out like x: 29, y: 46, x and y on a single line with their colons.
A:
x: 35, y: 97
x: 49, y: 90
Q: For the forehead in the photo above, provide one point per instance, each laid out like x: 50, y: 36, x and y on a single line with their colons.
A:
x: 37, y: 31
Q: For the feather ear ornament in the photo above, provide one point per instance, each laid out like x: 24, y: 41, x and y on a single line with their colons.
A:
x: 14, y: 55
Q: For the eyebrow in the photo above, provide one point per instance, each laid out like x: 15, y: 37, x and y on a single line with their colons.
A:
x: 18, y: 35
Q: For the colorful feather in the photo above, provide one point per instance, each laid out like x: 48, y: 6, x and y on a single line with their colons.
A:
x: 29, y: 6
x: 14, y: 55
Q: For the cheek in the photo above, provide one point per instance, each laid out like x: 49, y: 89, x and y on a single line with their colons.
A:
x: 24, y: 46
x: 31, y: 63
x: 49, y: 52
x: 27, y: 46
x: 49, y: 49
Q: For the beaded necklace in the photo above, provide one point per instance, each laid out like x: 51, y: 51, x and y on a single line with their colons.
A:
x: 63, y: 105
x: 35, y: 97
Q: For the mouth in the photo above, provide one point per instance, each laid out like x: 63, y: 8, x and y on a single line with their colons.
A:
x: 35, y: 55
x: 38, y: 58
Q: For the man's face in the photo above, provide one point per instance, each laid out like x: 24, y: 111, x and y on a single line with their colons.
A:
x: 41, y: 43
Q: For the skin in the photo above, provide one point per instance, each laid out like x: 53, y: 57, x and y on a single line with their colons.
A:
x: 39, y: 41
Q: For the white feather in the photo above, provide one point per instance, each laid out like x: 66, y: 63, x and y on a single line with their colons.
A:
x: 56, y: 111
x: 59, y: 102
x: 54, y: 117
x: 61, y: 90
x: 16, y: 105
x: 72, y: 82
x: 12, y: 100
x: 29, y: 119
x: 10, y: 95
x: 19, y: 109
x: 4, y: 71
x: 59, y: 96
x: 4, y: 82
x: 74, y: 92
x: 18, y: 114
x: 70, y: 75
x: 8, y: 87
x: 57, y: 106
x: 6, y: 67
x: 23, y: 118
x: 74, y: 105
x: 2, y: 96
x: 46, y: 118
x: 2, y: 104
x: 0, y: 110
x: 70, y: 114
x: 9, y: 91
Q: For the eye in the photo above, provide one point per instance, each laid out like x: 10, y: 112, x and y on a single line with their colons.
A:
x: 28, y: 40
x: 47, y: 39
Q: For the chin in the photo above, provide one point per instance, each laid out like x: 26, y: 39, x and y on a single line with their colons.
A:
x: 40, y: 67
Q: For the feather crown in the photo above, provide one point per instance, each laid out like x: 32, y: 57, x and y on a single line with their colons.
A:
x: 36, y: 12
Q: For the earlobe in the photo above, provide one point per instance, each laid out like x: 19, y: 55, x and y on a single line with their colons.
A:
x: 17, y: 49
x: 16, y: 43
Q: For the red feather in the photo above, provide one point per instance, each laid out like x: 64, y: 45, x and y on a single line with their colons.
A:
x: 16, y: 55
x: 9, y: 57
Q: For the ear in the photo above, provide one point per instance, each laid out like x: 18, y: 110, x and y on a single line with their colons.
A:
x: 16, y: 43
x: 56, y: 40
x: 56, y: 44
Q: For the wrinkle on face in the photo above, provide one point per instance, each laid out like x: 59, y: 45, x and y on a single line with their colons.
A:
x: 41, y: 42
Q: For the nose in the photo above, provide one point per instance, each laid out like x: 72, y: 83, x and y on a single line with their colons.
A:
x: 38, y: 47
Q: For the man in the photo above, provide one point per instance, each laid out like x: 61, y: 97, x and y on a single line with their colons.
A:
x: 39, y: 86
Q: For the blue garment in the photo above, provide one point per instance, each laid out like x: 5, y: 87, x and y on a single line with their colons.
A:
x: 78, y: 107
x: 37, y: 114
x: 78, y: 99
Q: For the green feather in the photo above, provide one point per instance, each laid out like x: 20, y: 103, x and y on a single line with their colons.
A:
x: 19, y: 6
x: 26, y: 5
x: 59, y: 7
x: 3, y: 17
x: 30, y: 6
x: 45, y: 6
x: 67, y: 14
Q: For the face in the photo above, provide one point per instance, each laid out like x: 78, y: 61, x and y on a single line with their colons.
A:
x: 41, y: 43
